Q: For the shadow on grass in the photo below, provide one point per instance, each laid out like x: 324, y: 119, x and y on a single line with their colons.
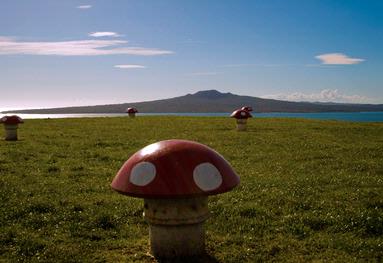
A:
x: 205, y: 258
x: 12, y: 141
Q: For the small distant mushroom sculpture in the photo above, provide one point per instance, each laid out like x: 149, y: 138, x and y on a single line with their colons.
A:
x: 241, y: 116
x: 175, y: 178
x: 11, y: 123
x: 247, y: 108
x: 132, y: 112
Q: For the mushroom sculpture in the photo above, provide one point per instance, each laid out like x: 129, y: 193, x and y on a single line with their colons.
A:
x: 241, y: 116
x: 132, y: 112
x: 11, y: 123
x: 247, y: 108
x: 175, y: 178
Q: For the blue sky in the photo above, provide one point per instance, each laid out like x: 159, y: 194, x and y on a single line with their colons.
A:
x: 62, y: 53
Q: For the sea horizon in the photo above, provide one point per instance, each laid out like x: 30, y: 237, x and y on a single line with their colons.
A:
x: 339, y: 116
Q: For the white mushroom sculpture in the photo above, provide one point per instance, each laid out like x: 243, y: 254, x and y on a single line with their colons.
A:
x: 175, y: 177
x: 11, y: 124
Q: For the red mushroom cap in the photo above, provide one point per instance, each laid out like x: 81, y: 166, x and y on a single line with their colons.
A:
x: 175, y: 169
x: 247, y: 108
x: 131, y: 110
x: 241, y: 114
x: 14, y: 119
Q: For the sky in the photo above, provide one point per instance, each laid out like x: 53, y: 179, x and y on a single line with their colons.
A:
x: 57, y: 53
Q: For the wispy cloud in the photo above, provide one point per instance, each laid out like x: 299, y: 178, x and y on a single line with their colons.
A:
x: 192, y: 41
x: 9, y: 46
x: 257, y: 65
x: 204, y: 73
x: 84, y: 6
x: 239, y: 65
x: 6, y: 39
x: 338, y: 59
x: 323, y: 65
x: 104, y: 34
x: 326, y: 95
x: 131, y: 66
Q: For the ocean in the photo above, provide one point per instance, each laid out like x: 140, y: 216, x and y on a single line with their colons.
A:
x: 340, y: 116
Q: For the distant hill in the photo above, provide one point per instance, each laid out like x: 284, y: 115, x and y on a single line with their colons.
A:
x: 213, y: 101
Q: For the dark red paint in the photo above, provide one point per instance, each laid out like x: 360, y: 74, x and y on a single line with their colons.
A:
x: 175, y: 161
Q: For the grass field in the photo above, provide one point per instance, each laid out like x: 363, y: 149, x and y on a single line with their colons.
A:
x: 311, y: 191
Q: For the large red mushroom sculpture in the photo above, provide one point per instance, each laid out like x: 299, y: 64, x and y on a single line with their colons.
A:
x: 241, y: 117
x: 132, y: 112
x: 11, y: 124
x: 175, y: 178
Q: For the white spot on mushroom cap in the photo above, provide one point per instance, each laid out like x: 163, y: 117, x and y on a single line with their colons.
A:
x: 207, y: 177
x: 142, y: 174
x: 243, y: 113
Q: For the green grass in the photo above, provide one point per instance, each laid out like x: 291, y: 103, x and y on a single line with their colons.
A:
x: 311, y: 191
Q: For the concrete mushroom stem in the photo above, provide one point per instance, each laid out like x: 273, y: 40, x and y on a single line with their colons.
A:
x: 176, y: 226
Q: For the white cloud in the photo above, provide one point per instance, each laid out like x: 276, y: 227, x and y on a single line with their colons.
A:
x: 131, y: 66
x: 326, y: 95
x: 10, y: 46
x: 338, y: 59
x: 104, y: 34
x: 84, y: 6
